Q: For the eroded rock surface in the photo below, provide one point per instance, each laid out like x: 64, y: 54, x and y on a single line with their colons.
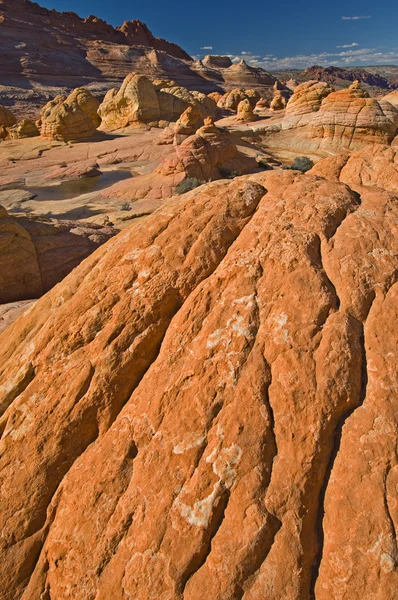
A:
x: 208, y: 404
x: 72, y: 118
x: 374, y: 165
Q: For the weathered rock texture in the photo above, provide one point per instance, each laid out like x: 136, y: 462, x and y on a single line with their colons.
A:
x: 23, y: 129
x: 374, y: 165
x: 319, y: 119
x: 231, y: 100
x: 245, y: 112
x: 72, y: 118
x: 206, y: 407
x: 281, y: 97
x: 307, y: 97
x: 350, y: 116
x: 140, y: 101
x: 35, y: 254
x: 207, y: 155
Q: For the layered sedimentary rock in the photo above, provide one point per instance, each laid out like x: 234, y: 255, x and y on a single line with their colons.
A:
x: 35, y: 253
x: 348, y: 119
x: 350, y: 116
x: 208, y: 405
x: 307, y: 97
x: 140, y: 101
x: 374, y: 165
x: 72, y: 118
x: 209, y: 154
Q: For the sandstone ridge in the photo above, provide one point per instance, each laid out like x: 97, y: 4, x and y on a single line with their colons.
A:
x: 208, y: 404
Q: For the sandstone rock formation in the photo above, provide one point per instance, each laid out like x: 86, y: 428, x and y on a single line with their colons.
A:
x: 392, y: 98
x: 35, y: 254
x: 223, y: 62
x: 245, y: 112
x: 23, y: 129
x: 350, y: 117
x: 140, y: 101
x: 262, y: 104
x: 7, y: 117
x: 206, y: 407
x: 216, y: 96
x: 231, y: 99
x: 209, y: 154
x: 280, y: 97
x: 374, y: 165
x: 72, y: 118
x: 307, y: 97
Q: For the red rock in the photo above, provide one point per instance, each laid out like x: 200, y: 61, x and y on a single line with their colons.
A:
x: 208, y: 405
x: 374, y: 165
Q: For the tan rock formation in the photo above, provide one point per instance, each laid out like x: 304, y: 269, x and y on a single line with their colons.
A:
x: 216, y: 96
x: 281, y: 97
x: 374, y: 165
x: 23, y: 129
x: 72, y: 118
x: 307, y: 97
x: 245, y: 112
x: 161, y: 84
x: 140, y: 101
x: 350, y: 118
x: 231, y: 99
x: 88, y: 104
x: 392, y: 98
x: 7, y: 118
x: 207, y: 155
x: 220, y: 62
x: 206, y: 407
x: 35, y: 254
x: 262, y: 104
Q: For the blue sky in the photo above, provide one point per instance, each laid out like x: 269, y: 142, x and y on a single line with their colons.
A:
x: 274, y: 35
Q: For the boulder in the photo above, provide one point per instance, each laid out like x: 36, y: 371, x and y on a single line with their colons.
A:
x: 216, y: 96
x: 245, y: 112
x: 307, y: 97
x: 70, y: 119
x: 140, y: 101
x: 281, y: 97
x: 231, y: 99
x: 262, y: 104
x: 23, y: 129
x: 209, y: 154
x: 206, y: 407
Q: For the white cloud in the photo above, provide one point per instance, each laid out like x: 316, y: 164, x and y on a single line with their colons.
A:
x: 348, y: 45
x: 350, y: 54
x: 356, y: 18
x: 207, y: 48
